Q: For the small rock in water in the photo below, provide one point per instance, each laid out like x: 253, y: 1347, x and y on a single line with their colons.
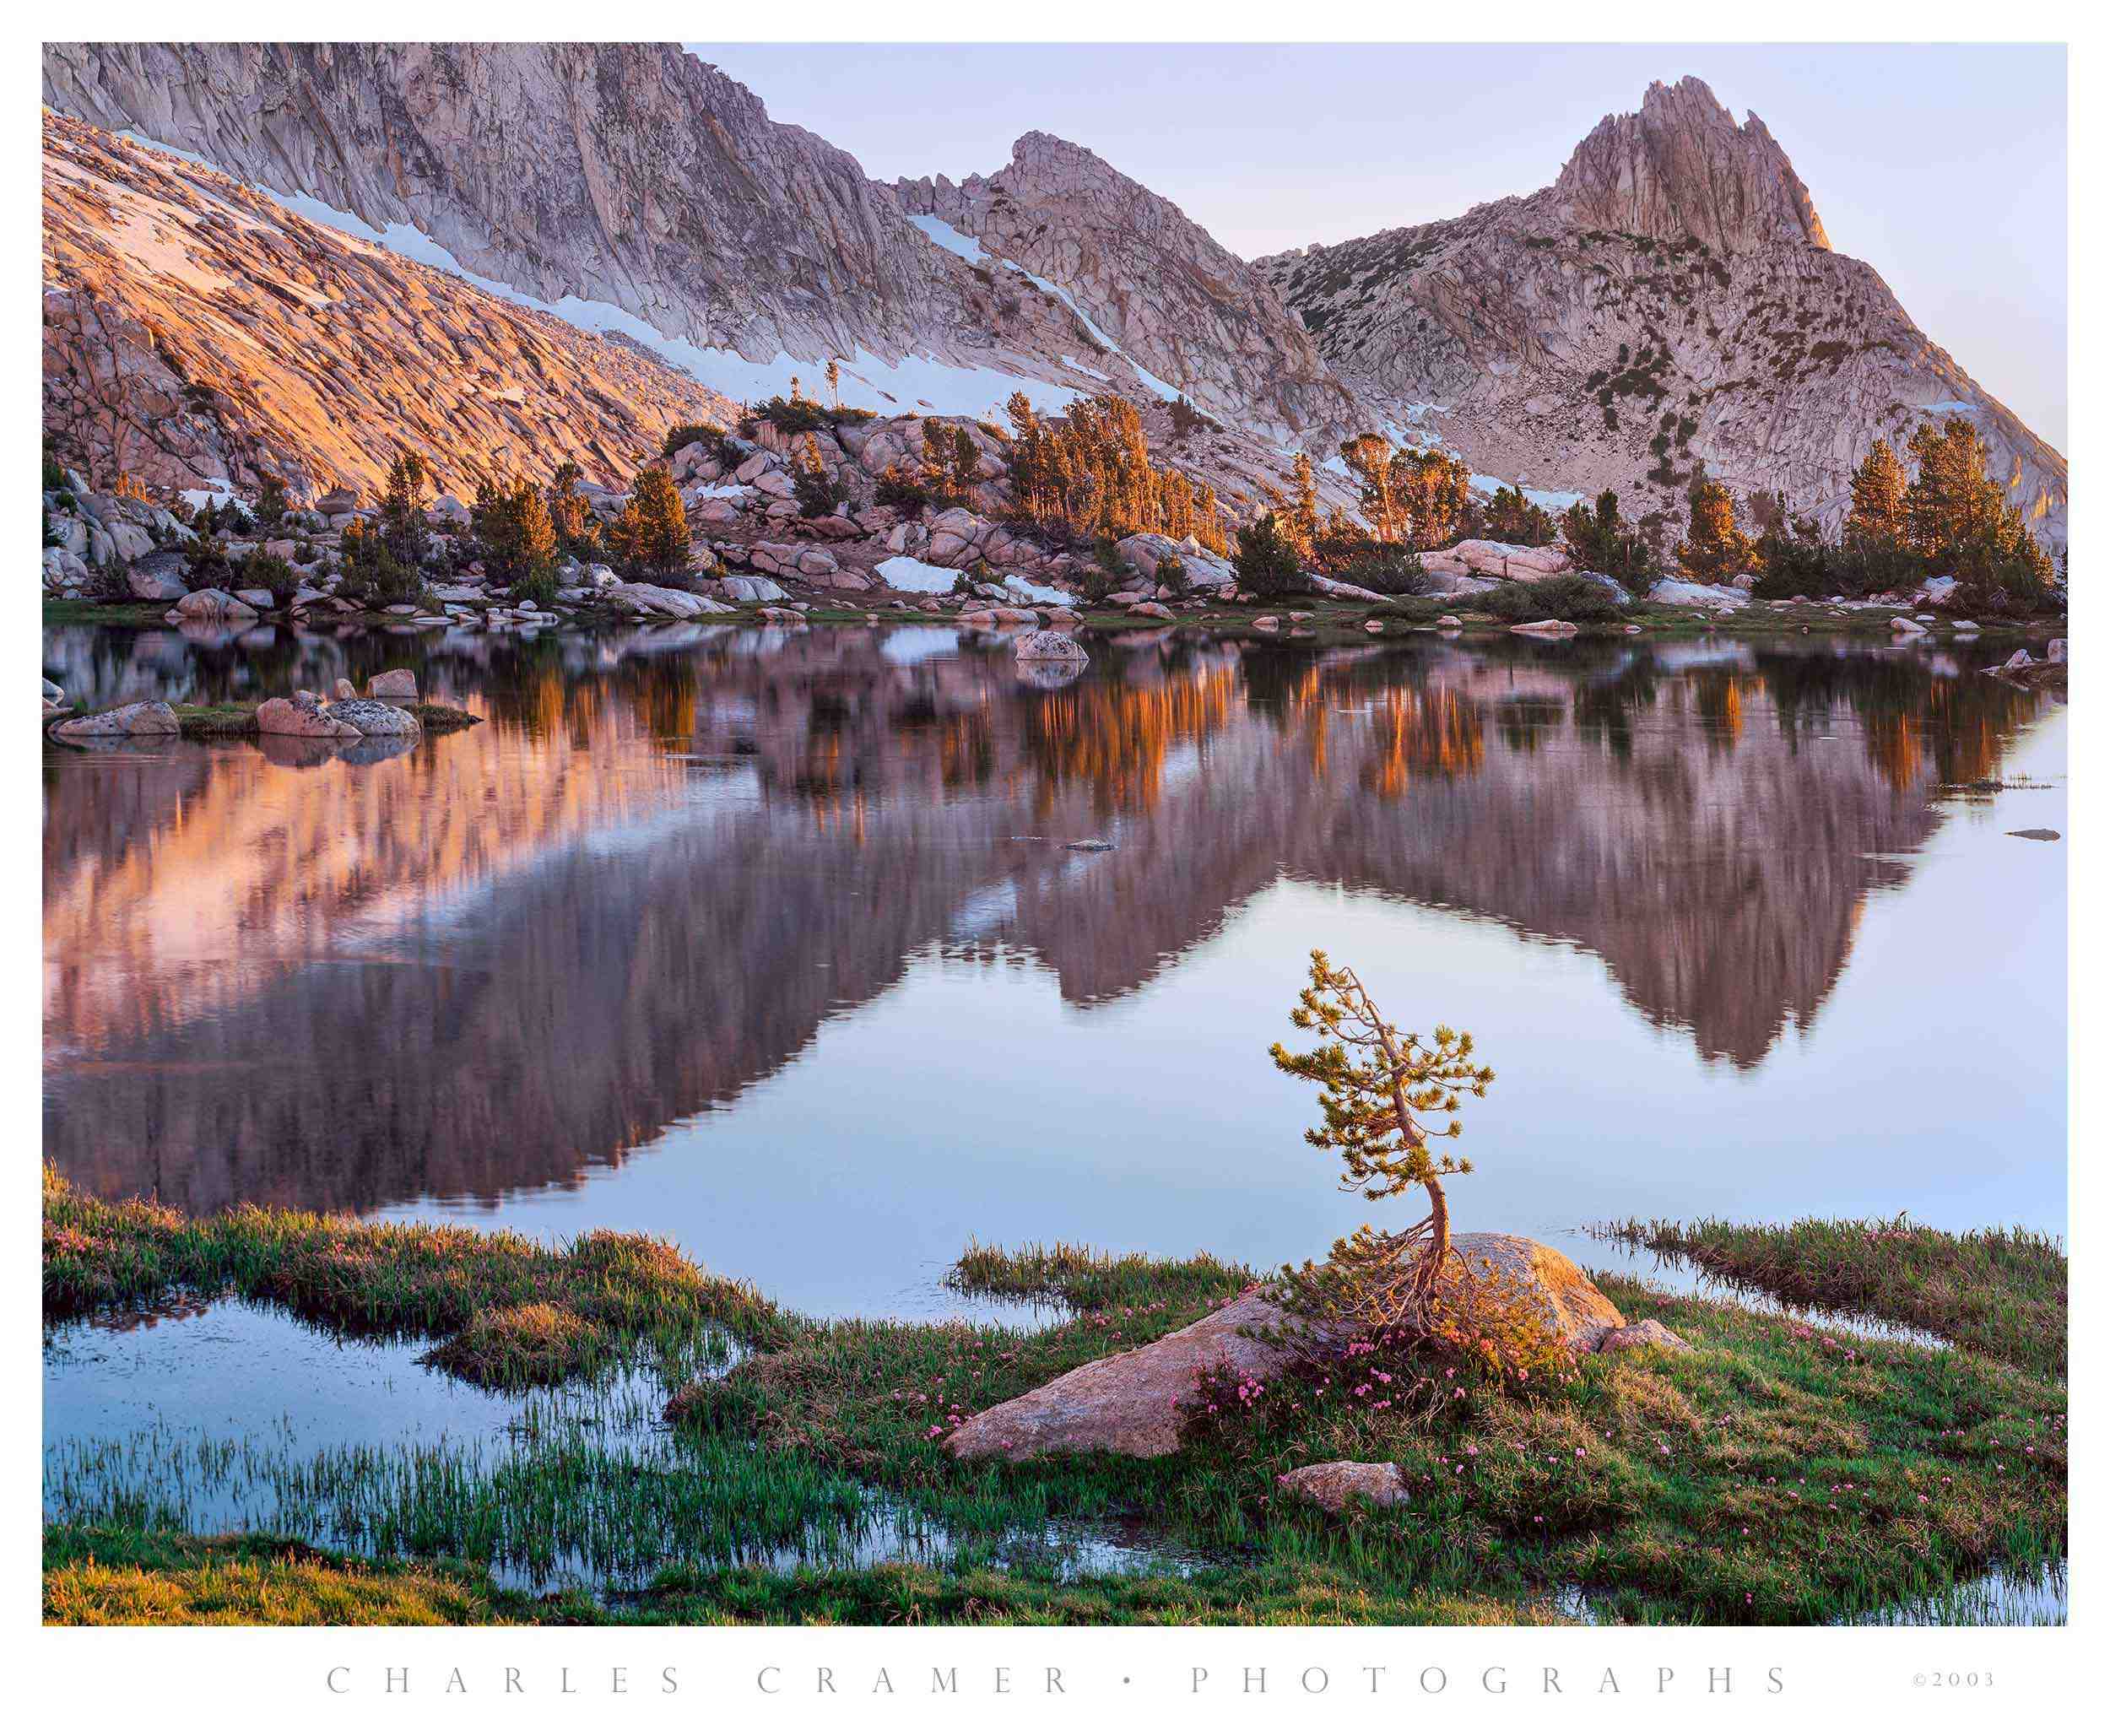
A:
x: 2037, y: 835
x: 1088, y: 844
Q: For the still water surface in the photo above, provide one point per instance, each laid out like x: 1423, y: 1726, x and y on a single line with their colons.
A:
x: 774, y: 944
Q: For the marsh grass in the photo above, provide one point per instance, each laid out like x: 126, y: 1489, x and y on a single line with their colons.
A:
x: 1778, y: 1473
x: 1074, y: 1276
x: 509, y: 1311
x: 1999, y: 1291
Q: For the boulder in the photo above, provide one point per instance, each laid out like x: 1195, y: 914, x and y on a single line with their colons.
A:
x: 301, y: 714
x: 373, y: 717
x: 1548, y: 630
x: 1150, y: 611
x: 393, y: 684
x: 754, y: 590
x: 338, y: 500
x: 1642, y: 1335
x: 1049, y: 647
x: 1131, y: 1403
x: 343, y: 690
x: 2055, y: 653
x: 1448, y: 621
x: 1566, y: 1301
x: 214, y: 604
x: 1335, y: 1484
x: 145, y: 718
x: 662, y: 600
x: 159, y: 577
x: 258, y: 598
x: 1906, y: 625
x: 1478, y: 557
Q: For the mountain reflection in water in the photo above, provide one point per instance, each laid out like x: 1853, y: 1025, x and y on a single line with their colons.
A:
x: 641, y: 888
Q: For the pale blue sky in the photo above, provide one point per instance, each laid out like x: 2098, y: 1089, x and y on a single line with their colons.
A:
x: 1943, y: 167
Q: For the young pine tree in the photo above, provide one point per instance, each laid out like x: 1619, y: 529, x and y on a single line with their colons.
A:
x: 1376, y: 1083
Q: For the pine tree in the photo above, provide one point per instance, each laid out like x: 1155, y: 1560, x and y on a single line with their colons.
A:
x: 1376, y: 1083
x: 402, y: 505
x: 1370, y: 457
x: 652, y: 534
x: 512, y: 523
x: 835, y: 382
x: 570, y: 516
x: 1714, y: 549
x: 1879, y: 496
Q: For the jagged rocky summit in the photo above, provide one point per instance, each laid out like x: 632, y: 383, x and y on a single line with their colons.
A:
x: 1671, y: 299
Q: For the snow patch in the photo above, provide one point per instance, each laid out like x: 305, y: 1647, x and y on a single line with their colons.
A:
x: 905, y: 572
x: 951, y: 239
x: 1027, y: 590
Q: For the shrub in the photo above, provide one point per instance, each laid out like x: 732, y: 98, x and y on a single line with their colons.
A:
x: 208, y: 566
x: 373, y: 574
x: 268, y: 572
x: 708, y: 435
x: 537, y: 585
x: 1265, y: 563
x: 271, y: 502
x: 1565, y: 597
x: 1172, y: 575
x: 1388, y: 569
x: 1602, y: 541
x: 897, y: 488
x: 817, y: 493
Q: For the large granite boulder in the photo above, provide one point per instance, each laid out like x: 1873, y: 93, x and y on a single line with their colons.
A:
x: 1048, y: 646
x: 394, y: 684
x: 1566, y: 1299
x: 1128, y: 1403
x: 159, y: 577
x: 302, y: 714
x: 212, y: 604
x: 374, y: 717
x: 1133, y: 1403
x: 147, y: 717
x: 663, y: 600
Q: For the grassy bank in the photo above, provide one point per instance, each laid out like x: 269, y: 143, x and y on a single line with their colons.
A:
x: 235, y: 720
x: 507, y: 1311
x: 1999, y: 1291
x: 1777, y: 1474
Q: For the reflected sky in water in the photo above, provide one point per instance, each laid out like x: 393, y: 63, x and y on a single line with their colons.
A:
x: 772, y: 943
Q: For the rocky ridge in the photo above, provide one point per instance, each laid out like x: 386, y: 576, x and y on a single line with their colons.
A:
x: 1168, y: 294
x: 1671, y: 299
x: 198, y: 333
